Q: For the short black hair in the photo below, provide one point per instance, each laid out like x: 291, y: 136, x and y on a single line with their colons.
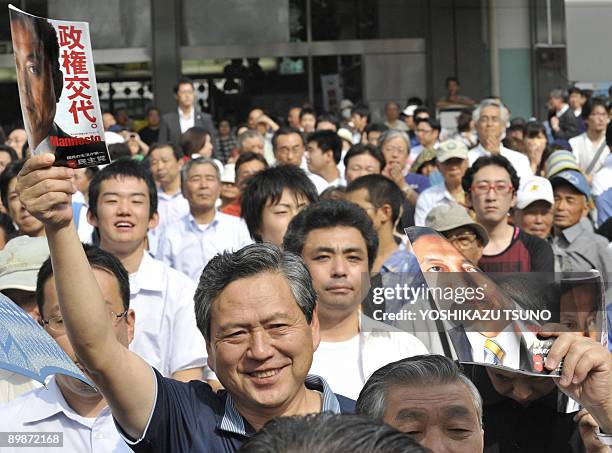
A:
x: 330, y: 433
x: 588, y: 108
x: 361, y: 109
x: 359, y: 149
x: 326, y: 141
x: 97, y: 258
x: 10, y: 151
x: 574, y: 89
x: 153, y: 108
x: 452, y: 79
x: 285, y: 130
x: 329, y: 214
x: 6, y: 224
x: 533, y: 129
x: 178, y: 154
x: 9, y: 173
x: 485, y: 161
x: 463, y: 120
x: 267, y: 187
x: 119, y: 151
x: 420, y: 110
x: 414, y: 100
x: 123, y: 168
x: 328, y: 118
x: 248, y: 157
x: 433, y: 123
x: 376, y: 127
x: 308, y: 111
x: 182, y: 81
x: 381, y: 191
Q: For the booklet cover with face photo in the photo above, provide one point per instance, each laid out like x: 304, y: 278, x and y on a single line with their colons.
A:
x: 57, y: 89
x: 495, y: 319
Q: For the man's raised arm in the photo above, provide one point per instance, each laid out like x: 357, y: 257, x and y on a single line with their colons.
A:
x: 126, y: 381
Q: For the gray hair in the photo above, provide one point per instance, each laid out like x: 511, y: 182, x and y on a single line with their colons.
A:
x: 491, y: 102
x: 197, y: 161
x: 414, y: 371
x: 557, y: 93
x: 246, y: 135
x: 390, y: 135
x: 249, y: 261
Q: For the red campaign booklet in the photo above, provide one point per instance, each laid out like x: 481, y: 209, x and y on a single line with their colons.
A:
x: 57, y: 89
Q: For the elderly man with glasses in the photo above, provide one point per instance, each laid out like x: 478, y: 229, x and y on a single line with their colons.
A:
x: 67, y: 405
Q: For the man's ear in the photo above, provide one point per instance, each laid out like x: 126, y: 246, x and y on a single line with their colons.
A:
x: 468, y: 199
x: 91, y: 219
x: 210, y: 359
x: 387, y: 211
x: 153, y: 221
x: 130, y: 319
x: 315, y: 328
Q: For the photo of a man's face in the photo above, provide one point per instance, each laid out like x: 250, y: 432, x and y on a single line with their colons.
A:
x: 35, y: 71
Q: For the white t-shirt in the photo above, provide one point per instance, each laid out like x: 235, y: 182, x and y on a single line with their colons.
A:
x: 339, y: 363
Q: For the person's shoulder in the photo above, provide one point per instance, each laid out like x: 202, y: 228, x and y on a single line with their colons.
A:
x: 197, y: 395
x: 13, y: 412
x: 347, y: 405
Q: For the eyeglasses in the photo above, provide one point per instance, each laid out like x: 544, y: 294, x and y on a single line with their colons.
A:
x: 56, y: 324
x: 462, y: 241
x: 484, y: 187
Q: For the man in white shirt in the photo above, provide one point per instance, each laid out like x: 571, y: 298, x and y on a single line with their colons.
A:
x: 339, y: 245
x: 68, y: 406
x: 452, y: 157
x: 123, y: 206
x: 586, y: 145
x: 289, y: 149
x: 188, y: 244
x: 166, y: 166
x: 602, y: 180
x: 323, y: 152
x: 491, y: 118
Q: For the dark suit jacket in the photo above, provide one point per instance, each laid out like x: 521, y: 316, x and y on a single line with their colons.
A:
x: 568, y: 126
x: 170, y: 128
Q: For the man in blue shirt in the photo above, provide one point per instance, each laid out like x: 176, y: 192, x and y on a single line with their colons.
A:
x: 260, y: 351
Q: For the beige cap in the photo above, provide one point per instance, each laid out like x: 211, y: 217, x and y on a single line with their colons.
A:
x: 20, y: 261
x: 446, y: 217
x: 450, y: 149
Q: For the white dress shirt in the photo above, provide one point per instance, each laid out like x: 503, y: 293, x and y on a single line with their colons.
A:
x: 602, y: 180
x: 45, y: 411
x: 186, y: 121
x: 429, y: 199
x: 519, y: 161
x: 188, y: 247
x: 508, y: 340
x: 170, y: 209
x: 166, y: 335
x: 12, y: 385
x: 584, y: 150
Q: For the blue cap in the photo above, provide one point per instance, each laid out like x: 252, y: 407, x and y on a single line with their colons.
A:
x: 574, y: 178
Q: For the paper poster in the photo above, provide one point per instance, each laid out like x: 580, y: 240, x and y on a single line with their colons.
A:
x: 27, y: 349
x: 57, y: 89
x: 495, y: 319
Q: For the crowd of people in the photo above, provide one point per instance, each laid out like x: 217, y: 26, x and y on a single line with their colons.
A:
x: 215, y: 282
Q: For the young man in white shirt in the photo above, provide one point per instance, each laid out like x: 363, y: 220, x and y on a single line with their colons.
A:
x: 68, y: 406
x: 323, y: 152
x: 123, y: 206
x: 339, y: 245
x: 188, y: 244
x: 586, y: 145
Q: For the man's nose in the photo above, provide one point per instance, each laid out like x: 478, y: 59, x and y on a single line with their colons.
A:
x: 260, y: 347
x: 339, y: 267
x: 521, y: 393
x: 436, y: 441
